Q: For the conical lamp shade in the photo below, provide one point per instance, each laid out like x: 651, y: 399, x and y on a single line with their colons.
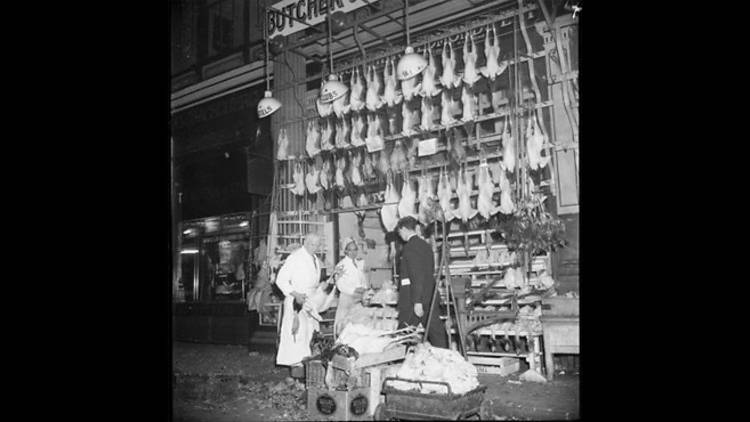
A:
x: 332, y: 90
x: 268, y: 105
x: 410, y: 65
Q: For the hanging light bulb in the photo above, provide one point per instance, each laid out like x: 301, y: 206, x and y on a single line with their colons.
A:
x: 410, y: 64
x: 332, y: 89
x: 267, y: 105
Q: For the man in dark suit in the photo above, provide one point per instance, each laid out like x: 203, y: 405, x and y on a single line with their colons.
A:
x: 417, y: 284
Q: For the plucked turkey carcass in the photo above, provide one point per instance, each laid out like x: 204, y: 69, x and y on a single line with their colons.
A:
x: 299, y: 180
x: 372, y: 99
x: 356, y: 175
x: 368, y: 169
x: 427, y: 114
x: 456, y: 150
x: 340, y: 167
x: 324, y: 110
x: 342, y: 133
x: 492, y: 52
x: 445, y: 193
x: 312, y: 141
x: 391, y: 95
x: 408, y: 122
x: 534, y: 145
x: 470, y: 105
x: 449, y: 79
x: 374, y: 140
x: 399, y: 162
x: 312, y: 180
x: 407, y: 205
x: 357, y: 90
x: 429, y: 87
x: 509, y: 147
x: 358, y: 130
x: 463, y: 190
x: 506, y: 199
x: 283, y: 145
x: 383, y: 164
x: 470, y: 76
x: 389, y: 212
x: 326, y: 136
x: 485, y: 205
x: 426, y: 199
x: 446, y: 115
x: 324, y: 176
x: 341, y: 105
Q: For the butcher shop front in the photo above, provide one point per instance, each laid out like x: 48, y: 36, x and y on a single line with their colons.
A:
x: 421, y: 146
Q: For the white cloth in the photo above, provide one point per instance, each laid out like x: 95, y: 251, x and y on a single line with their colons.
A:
x: 350, y: 279
x: 300, y: 273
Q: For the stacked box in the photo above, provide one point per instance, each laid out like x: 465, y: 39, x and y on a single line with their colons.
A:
x: 339, y: 405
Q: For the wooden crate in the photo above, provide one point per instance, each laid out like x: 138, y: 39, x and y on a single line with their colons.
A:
x: 315, y: 374
x: 346, y: 405
x: 370, y: 359
x: 502, y: 366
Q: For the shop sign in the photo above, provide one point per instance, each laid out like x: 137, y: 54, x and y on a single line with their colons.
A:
x: 427, y: 147
x: 312, y: 12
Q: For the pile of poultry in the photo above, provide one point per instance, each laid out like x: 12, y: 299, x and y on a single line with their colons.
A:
x: 367, y: 340
x: 375, y: 318
x: 385, y: 295
x: 427, y: 363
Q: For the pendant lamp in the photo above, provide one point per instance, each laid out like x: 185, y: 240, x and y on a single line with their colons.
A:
x: 411, y: 64
x: 332, y: 89
x: 267, y: 105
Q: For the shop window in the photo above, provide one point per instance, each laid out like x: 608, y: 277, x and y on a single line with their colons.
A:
x: 224, y: 268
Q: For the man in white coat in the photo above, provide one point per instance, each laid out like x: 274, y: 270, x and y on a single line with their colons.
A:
x: 350, y: 281
x: 298, y: 279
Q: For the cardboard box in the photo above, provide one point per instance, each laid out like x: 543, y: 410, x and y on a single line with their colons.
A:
x: 351, y: 405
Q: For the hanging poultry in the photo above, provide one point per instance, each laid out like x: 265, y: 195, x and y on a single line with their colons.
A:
x: 492, y: 53
x: 509, y: 147
x: 358, y: 129
x: 427, y: 114
x: 485, y: 205
x: 324, y: 176
x: 389, y: 212
x: 340, y: 167
x: 470, y: 105
x: 368, y: 168
x: 408, y: 122
x: 312, y: 141
x: 341, y: 105
x: 426, y: 198
x: 342, y: 133
x: 312, y: 179
x: 463, y: 190
x: 445, y: 193
x: 392, y: 95
x: 449, y: 79
x: 283, y: 145
x: 407, y: 205
x: 456, y: 151
x: 506, y: 199
x: 324, y: 110
x: 356, y: 174
x: 356, y: 91
x: 361, y: 215
x: 299, y: 180
x: 399, y: 162
x: 534, y: 145
x: 383, y: 164
x: 412, y: 154
x: 326, y: 136
x: 374, y: 140
x: 446, y: 116
x: 470, y: 76
x: 372, y: 99
x: 429, y: 87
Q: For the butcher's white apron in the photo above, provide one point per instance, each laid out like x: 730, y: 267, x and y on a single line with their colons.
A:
x: 294, y: 348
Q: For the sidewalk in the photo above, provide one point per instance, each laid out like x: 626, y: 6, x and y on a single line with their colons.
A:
x: 224, y: 383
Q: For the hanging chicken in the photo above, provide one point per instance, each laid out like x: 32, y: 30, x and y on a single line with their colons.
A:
x: 392, y: 95
x: 356, y: 175
x: 534, y: 146
x: 299, y: 180
x: 358, y: 130
x: 456, y: 151
x: 341, y: 105
x: 427, y: 114
x: 426, y: 197
x: 407, y: 205
x: 340, y: 167
x: 283, y: 145
x: 463, y: 190
x: 408, y: 122
x: 342, y: 133
x: 446, y: 116
x: 444, y: 193
x: 389, y: 212
x: 509, y: 147
x: 429, y: 87
x: 312, y: 180
x: 449, y: 79
x: 383, y: 163
x: 368, y: 169
x: 324, y: 175
x: 374, y: 140
x: 324, y: 110
x: 470, y: 106
x: 470, y: 61
x: 506, y: 200
x: 485, y: 205
x: 326, y: 136
x: 312, y: 141
x: 356, y: 91
x: 399, y: 162
x: 492, y: 52
x: 372, y: 99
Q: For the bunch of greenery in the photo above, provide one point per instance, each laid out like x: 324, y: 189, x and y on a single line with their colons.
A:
x: 532, y: 229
